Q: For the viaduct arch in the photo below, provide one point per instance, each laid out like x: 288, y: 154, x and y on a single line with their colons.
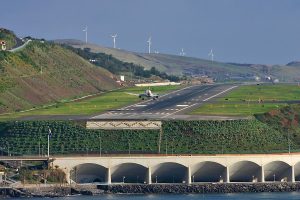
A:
x: 181, y: 169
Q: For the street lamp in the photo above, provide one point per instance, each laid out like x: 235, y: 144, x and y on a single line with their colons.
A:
x: 193, y: 179
x: 274, y: 178
x: 155, y: 179
x: 124, y: 179
x: 7, y: 144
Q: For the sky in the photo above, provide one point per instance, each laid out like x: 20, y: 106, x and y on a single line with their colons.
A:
x: 243, y: 31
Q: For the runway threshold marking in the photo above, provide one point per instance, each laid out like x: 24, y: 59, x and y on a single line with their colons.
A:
x: 183, y: 105
x: 198, y: 103
x: 219, y: 93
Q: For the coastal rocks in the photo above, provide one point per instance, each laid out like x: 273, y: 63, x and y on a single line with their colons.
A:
x: 201, y: 188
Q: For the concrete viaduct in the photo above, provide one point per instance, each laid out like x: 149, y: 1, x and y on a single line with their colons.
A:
x: 181, y: 169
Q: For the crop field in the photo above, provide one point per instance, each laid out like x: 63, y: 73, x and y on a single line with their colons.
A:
x: 103, y: 102
x: 178, y: 137
x: 251, y: 99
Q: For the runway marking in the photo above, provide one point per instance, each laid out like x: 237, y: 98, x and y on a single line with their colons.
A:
x: 219, y: 93
x: 140, y: 105
x: 182, y: 105
x: 179, y: 110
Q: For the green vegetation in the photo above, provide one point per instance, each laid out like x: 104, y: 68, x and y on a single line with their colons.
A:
x: 180, y: 137
x: 41, y: 176
x: 116, y: 66
x: 251, y: 99
x: 100, y: 103
x: 286, y: 120
x: 45, y: 73
x: 9, y: 37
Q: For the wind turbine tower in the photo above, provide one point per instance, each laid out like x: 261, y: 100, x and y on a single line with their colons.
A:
x: 86, y: 34
x: 182, y: 53
x: 211, y: 55
x: 114, y: 39
x: 149, y: 44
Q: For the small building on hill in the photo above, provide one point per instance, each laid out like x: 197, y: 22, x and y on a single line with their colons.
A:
x: 3, y: 45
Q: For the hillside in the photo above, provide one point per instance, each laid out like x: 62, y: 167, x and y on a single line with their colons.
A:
x: 10, y: 38
x: 179, y: 65
x: 43, y: 73
x: 285, y: 120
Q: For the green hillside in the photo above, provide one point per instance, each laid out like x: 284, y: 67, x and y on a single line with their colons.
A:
x: 178, y: 65
x: 178, y: 137
x: 9, y: 37
x: 43, y: 73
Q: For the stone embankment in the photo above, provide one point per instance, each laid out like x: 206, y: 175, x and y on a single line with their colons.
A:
x: 60, y: 191
x: 202, y: 188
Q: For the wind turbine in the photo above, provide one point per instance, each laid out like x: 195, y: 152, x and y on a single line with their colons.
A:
x: 114, y: 39
x: 86, y: 33
x: 149, y: 44
x: 211, y: 55
x: 182, y: 53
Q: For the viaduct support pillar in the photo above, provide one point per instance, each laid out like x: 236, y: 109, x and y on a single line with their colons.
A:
x: 293, y: 173
x: 262, y: 174
x: 227, y: 175
x: 149, y: 173
x: 189, y: 176
x: 108, y: 176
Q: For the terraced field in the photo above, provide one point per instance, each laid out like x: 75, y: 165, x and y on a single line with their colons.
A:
x: 178, y: 137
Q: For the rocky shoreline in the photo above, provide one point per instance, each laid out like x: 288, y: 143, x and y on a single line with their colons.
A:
x: 67, y: 190
x: 200, y: 188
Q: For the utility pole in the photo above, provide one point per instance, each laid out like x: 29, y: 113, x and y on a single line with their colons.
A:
x: 100, y: 146
x: 39, y: 147
x: 289, y: 141
x: 48, y: 145
x: 49, y: 135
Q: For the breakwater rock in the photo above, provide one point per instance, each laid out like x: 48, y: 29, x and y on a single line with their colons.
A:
x: 201, y: 188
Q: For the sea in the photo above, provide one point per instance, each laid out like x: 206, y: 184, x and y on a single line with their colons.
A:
x: 235, y: 196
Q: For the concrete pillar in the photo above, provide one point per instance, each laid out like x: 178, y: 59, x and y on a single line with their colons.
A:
x: 262, y: 174
x: 108, y: 176
x: 68, y: 176
x: 227, y: 175
x: 293, y: 173
x: 189, y: 176
x: 149, y: 174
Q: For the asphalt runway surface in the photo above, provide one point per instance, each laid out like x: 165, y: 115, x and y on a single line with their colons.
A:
x: 174, y: 105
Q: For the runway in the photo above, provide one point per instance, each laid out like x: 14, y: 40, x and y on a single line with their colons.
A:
x: 173, y: 105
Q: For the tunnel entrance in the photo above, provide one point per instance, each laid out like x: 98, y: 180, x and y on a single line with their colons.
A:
x: 208, y: 172
x: 245, y: 171
x: 169, y: 173
x: 88, y: 173
x: 278, y: 171
x: 129, y: 173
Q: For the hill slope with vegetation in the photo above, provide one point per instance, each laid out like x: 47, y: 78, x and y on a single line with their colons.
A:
x: 43, y: 73
x: 179, y: 65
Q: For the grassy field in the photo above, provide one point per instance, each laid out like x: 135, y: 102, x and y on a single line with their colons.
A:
x: 245, y: 100
x: 103, y: 102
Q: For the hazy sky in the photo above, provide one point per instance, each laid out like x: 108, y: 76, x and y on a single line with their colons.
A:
x: 246, y: 31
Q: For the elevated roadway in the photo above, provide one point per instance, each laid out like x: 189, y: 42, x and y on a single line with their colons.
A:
x: 182, y: 169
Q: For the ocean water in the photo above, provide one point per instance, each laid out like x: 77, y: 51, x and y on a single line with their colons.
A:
x: 235, y: 196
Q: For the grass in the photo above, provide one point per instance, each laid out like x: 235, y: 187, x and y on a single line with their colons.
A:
x: 244, y: 101
x: 103, y: 102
